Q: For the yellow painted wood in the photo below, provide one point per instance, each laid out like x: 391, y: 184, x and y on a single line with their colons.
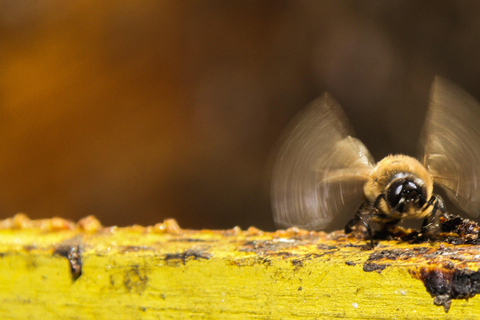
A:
x: 163, y: 272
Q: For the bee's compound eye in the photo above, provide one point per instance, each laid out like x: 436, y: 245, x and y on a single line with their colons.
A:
x: 410, y: 192
x: 411, y: 189
x: 394, y: 193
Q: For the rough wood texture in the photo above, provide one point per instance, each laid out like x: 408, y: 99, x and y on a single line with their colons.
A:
x: 55, y: 269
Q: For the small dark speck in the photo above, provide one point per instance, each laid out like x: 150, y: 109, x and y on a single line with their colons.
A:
x: 74, y: 255
x: 370, y: 266
x: 443, y: 300
x: 162, y: 296
x: 297, y: 263
x: 326, y: 247
x: 350, y: 263
x: 189, y: 240
x: 300, y: 288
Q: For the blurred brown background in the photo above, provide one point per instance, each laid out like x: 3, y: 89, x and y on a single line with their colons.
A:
x: 137, y: 111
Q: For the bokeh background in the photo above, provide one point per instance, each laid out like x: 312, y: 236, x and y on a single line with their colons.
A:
x: 137, y: 111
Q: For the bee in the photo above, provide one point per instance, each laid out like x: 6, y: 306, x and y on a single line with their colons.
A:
x: 321, y: 168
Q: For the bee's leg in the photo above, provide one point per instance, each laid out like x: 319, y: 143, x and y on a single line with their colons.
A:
x: 361, y: 218
x: 353, y: 223
x: 395, y: 209
x: 388, y: 230
x: 377, y: 201
x: 431, y: 224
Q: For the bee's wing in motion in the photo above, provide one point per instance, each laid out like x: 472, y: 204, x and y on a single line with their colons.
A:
x: 451, y: 140
x: 320, y: 169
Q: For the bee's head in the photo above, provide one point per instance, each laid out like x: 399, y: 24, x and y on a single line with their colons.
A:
x: 406, y: 193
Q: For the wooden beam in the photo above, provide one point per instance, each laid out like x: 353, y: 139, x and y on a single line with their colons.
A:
x: 56, y: 269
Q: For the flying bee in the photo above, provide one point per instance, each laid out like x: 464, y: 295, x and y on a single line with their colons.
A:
x: 321, y: 168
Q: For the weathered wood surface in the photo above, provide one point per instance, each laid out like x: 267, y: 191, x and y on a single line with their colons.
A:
x: 55, y: 269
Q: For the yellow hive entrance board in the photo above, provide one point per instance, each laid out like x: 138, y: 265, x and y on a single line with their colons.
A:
x: 56, y: 269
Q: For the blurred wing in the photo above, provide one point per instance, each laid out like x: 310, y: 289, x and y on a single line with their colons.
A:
x: 452, y: 144
x: 320, y: 169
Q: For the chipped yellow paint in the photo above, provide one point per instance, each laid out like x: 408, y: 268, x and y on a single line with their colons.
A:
x: 163, y: 272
